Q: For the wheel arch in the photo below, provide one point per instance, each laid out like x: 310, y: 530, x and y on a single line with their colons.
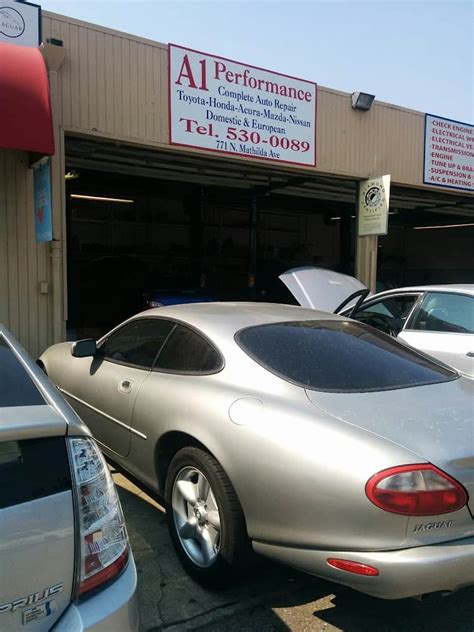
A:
x: 169, y: 444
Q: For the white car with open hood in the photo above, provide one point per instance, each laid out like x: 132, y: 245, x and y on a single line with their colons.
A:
x: 436, y: 319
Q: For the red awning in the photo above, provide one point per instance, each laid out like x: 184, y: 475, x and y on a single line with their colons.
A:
x: 25, y: 108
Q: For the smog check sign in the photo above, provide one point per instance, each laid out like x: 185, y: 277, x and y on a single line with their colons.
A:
x: 222, y: 105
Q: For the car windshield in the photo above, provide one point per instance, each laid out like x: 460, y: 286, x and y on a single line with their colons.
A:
x: 341, y: 356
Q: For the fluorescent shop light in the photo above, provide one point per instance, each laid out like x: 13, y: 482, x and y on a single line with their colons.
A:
x: 442, y: 226
x: 334, y: 218
x: 97, y: 198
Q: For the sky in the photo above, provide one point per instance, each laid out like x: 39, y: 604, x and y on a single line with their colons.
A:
x: 414, y: 53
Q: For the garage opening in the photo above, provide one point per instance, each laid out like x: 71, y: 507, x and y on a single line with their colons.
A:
x: 430, y: 240
x: 184, y: 234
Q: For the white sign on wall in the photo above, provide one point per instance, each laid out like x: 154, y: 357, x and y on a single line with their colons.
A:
x: 374, y: 197
x: 20, y: 23
x: 222, y: 105
x: 449, y: 153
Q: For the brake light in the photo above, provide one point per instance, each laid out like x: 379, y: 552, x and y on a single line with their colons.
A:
x: 353, y: 567
x: 104, y: 549
x: 416, y: 490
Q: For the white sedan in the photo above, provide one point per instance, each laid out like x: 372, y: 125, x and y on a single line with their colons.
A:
x: 436, y: 319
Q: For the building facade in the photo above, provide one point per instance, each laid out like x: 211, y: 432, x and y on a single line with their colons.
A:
x: 132, y: 212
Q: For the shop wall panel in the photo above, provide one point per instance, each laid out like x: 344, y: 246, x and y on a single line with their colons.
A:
x: 92, y: 66
x: 23, y: 262
x: 141, y: 92
x: 9, y: 187
x: 125, y: 85
x: 74, y: 83
x: 101, y: 79
x: 112, y: 84
x: 134, y: 113
x: 385, y: 139
x: 65, y: 78
x: 109, y: 126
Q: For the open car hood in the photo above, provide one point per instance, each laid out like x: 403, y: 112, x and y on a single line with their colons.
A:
x: 326, y: 290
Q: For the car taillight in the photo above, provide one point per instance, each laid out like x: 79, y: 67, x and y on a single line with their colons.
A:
x: 415, y: 490
x: 103, y: 542
x: 353, y: 567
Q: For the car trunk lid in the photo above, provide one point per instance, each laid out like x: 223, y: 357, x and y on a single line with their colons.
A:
x: 435, y: 422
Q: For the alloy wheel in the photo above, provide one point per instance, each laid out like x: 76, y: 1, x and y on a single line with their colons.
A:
x: 196, y: 516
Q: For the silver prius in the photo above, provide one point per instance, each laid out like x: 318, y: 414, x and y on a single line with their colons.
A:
x: 316, y: 440
x: 65, y: 558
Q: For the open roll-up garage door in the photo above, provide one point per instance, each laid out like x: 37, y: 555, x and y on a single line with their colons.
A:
x: 146, y: 224
x: 430, y: 239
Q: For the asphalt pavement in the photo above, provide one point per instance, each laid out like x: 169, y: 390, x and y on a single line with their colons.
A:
x: 272, y: 599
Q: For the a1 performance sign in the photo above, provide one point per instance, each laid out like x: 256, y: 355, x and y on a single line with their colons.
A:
x: 225, y: 106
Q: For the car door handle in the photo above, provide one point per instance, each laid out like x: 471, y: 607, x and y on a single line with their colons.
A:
x: 125, y: 386
x: 470, y: 354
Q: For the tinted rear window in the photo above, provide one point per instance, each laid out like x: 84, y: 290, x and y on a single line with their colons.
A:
x: 16, y: 386
x: 32, y: 469
x: 340, y: 356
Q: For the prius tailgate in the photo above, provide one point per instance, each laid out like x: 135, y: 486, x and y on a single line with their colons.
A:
x: 36, y: 533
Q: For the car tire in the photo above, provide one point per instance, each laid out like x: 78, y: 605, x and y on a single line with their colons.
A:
x: 205, y: 519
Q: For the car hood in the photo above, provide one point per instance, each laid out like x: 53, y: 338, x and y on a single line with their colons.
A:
x: 436, y: 422
x: 318, y: 288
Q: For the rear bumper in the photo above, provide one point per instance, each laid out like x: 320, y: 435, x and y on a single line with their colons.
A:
x: 405, y: 573
x: 114, y: 609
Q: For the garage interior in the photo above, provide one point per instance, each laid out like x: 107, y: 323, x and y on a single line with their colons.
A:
x: 168, y: 222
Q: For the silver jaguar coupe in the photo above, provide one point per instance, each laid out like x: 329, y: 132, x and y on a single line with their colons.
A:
x: 311, y: 438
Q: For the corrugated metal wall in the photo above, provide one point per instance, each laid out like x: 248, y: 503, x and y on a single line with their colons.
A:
x: 23, y: 262
x: 116, y: 85
x: 110, y: 83
x: 384, y: 140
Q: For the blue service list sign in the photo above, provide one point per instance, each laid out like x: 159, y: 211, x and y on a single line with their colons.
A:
x: 42, y: 200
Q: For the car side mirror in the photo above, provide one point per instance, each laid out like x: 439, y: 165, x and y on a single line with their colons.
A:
x: 84, y: 348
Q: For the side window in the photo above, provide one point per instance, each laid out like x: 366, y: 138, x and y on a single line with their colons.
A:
x: 388, y: 314
x: 137, y: 342
x: 444, y: 312
x: 188, y: 352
